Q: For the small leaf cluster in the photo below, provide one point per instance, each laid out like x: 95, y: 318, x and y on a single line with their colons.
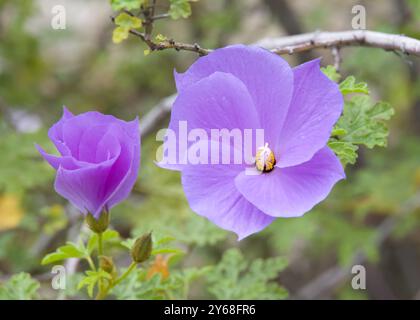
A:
x: 236, y: 278
x: 179, y: 9
x: 125, y: 23
x: 135, y: 14
x: 362, y: 121
x: 19, y: 287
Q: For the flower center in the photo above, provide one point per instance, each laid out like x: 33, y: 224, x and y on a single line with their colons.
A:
x: 265, y: 160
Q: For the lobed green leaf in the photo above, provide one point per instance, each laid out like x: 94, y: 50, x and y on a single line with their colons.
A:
x: 179, y: 9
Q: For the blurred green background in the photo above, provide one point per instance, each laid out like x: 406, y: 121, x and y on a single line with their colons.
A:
x: 372, y: 218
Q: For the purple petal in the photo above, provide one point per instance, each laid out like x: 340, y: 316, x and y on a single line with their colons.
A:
x: 85, y: 188
x: 267, y: 77
x: 66, y: 162
x: 103, y: 164
x: 99, y: 143
x: 315, y: 107
x: 125, y: 171
x: 211, y: 192
x: 292, y: 191
x: 102, y: 186
x: 74, y: 128
x: 67, y: 113
x: 55, y: 133
x: 220, y: 101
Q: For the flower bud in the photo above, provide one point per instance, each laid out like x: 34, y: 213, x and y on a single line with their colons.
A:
x: 98, y: 225
x: 106, y: 264
x: 142, y: 248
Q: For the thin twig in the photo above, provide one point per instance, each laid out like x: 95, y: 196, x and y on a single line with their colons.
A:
x: 318, y: 39
x: 337, y: 58
x: 149, y: 121
x: 160, y: 16
x: 308, y: 41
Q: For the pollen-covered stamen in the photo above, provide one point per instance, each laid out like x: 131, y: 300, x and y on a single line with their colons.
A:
x: 265, y: 160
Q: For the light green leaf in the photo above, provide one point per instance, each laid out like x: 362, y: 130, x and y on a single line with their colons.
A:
x: 331, y: 73
x: 107, y: 236
x: 345, y: 151
x: 167, y: 251
x: 349, y: 85
x: 128, y: 243
x: 126, y: 4
x: 160, y: 38
x: 19, y: 287
x: 127, y: 21
x: 124, y: 23
x: 70, y: 250
x: 336, y: 132
x: 179, y: 9
x: 91, y: 279
x: 119, y: 34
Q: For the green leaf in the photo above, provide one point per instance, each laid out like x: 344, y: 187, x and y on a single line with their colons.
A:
x: 128, y: 243
x: 179, y: 9
x: 349, y: 85
x: 70, y: 250
x: 345, y: 151
x: 124, y: 23
x: 19, y: 287
x: 119, y: 34
x: 236, y: 278
x: 107, y: 236
x: 127, y: 21
x: 138, y: 285
x: 167, y: 251
x: 337, y: 132
x: 91, y: 279
x: 126, y: 4
x: 160, y: 38
x: 331, y: 73
x: 163, y: 240
x: 364, y: 122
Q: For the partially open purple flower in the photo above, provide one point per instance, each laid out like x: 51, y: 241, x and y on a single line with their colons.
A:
x: 99, y: 162
x: 252, y: 88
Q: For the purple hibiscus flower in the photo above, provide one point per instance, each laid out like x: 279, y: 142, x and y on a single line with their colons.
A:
x: 249, y: 87
x: 99, y: 162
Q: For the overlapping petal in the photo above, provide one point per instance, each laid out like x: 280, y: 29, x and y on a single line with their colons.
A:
x: 267, y: 77
x: 220, y: 101
x: 86, y: 187
x: 124, y: 174
x: 315, y: 107
x: 100, y: 161
x: 55, y: 133
x: 296, y: 109
x: 211, y: 192
x: 292, y: 191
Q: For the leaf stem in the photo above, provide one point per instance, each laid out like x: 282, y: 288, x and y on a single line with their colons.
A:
x: 125, y: 274
x: 103, y: 293
x: 100, y: 245
x: 90, y: 262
